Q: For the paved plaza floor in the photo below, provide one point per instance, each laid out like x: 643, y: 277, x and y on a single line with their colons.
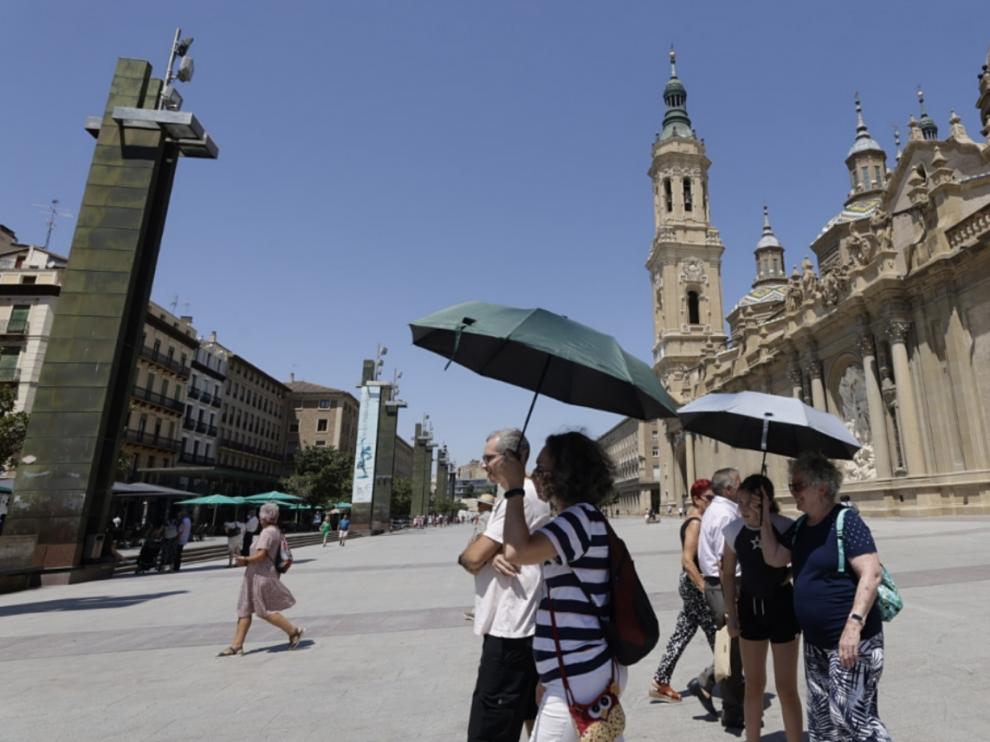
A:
x: 388, y: 655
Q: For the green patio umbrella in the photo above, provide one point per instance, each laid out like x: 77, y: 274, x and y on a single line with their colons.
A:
x: 343, y: 505
x: 273, y: 496
x: 212, y: 500
x: 547, y: 354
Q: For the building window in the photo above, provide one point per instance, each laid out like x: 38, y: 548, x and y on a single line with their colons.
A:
x: 324, y: 404
x: 668, y: 195
x: 293, y: 427
x: 321, y: 444
x: 321, y: 425
x: 688, y: 205
x: 865, y: 174
x: 879, y: 174
x: 29, y: 279
x: 694, y: 316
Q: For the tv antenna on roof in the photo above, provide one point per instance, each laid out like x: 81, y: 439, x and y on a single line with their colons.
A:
x: 53, y: 214
x: 174, y: 305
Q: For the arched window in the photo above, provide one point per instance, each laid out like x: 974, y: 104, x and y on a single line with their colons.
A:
x: 687, y: 195
x: 668, y: 195
x: 694, y: 316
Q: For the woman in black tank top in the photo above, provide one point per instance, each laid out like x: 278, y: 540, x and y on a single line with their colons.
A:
x: 760, y: 610
x: 695, y: 614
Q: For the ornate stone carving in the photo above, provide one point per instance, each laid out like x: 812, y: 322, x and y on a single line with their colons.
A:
x: 832, y: 285
x: 861, y: 250
x: 693, y: 272
x: 658, y: 291
x: 795, y: 376
x: 865, y: 343
x: 856, y: 414
x: 881, y: 226
x: 809, y: 281
x: 813, y: 368
x: 896, y: 330
x: 793, y: 296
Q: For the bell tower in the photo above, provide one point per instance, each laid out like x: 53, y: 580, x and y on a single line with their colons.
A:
x: 685, y: 259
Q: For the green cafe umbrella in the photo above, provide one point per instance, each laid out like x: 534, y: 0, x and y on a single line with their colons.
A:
x: 547, y: 354
x: 213, y: 500
x: 343, y: 505
x: 273, y: 496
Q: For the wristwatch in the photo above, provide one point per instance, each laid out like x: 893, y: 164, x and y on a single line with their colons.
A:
x: 515, y: 491
x: 857, y: 618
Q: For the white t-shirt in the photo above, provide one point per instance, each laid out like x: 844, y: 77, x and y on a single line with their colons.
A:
x: 719, y: 513
x: 506, y: 606
x: 185, y: 530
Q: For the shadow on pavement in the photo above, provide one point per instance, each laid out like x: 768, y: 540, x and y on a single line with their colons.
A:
x: 84, y: 604
x: 281, y: 647
x: 781, y: 737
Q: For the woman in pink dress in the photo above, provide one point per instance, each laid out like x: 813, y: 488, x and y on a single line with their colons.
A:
x: 262, y: 591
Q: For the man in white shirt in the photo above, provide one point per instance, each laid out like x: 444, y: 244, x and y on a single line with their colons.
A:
x: 505, y: 602
x: 722, y: 511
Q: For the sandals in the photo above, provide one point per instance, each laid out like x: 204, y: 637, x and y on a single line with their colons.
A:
x: 295, y: 637
x: 231, y: 651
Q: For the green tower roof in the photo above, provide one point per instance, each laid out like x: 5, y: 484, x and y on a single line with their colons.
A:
x: 676, y: 122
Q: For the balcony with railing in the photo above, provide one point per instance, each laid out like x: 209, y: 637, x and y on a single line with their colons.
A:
x: 245, y: 448
x: 196, y: 459
x: 215, y: 402
x: 15, y: 327
x: 193, y: 392
x: 147, y: 438
x: 10, y: 375
x: 164, y: 361
x: 205, y: 397
x: 188, y: 423
x: 159, y: 400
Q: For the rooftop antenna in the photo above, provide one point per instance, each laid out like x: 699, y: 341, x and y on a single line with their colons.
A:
x: 53, y: 214
x: 174, y: 304
x: 169, y: 99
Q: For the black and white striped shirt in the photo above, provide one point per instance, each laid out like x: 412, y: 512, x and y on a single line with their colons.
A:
x: 580, y: 538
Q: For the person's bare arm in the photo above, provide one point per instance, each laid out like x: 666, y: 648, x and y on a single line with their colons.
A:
x: 774, y: 553
x: 521, y: 547
x: 689, y: 554
x: 478, y: 553
x: 867, y: 568
x: 728, y: 579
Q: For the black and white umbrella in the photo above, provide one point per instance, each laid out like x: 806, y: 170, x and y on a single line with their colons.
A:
x: 768, y: 423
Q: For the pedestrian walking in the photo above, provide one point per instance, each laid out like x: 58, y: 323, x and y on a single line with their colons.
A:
x: 694, y: 613
x: 575, y: 665
x: 325, y: 529
x: 250, y: 528
x: 342, y: 527
x: 185, y: 533
x: 234, y: 530
x: 835, y: 605
x: 761, y: 613
x: 505, y: 602
x: 721, y: 511
x: 262, y: 591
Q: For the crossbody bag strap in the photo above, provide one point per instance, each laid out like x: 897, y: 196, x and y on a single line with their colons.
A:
x: 560, y: 654
x: 840, y: 540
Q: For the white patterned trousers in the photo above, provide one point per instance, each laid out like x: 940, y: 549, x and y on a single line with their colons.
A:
x: 842, y: 702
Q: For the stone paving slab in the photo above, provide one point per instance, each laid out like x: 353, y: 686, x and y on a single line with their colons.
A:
x: 388, y: 656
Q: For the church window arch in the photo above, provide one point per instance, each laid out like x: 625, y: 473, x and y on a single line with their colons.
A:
x: 694, y: 314
x: 865, y: 174
x: 668, y: 195
x: 688, y: 205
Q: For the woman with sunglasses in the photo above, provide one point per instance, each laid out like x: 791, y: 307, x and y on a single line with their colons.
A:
x: 695, y: 613
x: 836, y: 608
x: 574, y: 474
x: 762, y: 614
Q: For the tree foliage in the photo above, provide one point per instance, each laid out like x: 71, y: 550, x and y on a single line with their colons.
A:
x: 13, y: 426
x: 401, y: 498
x: 321, y: 475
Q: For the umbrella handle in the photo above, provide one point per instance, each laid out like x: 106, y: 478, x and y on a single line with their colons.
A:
x: 465, y: 322
x: 539, y: 385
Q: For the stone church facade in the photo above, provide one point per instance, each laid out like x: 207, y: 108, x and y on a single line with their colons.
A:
x: 890, y: 331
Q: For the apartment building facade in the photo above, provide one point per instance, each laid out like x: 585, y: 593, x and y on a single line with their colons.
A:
x: 321, y: 416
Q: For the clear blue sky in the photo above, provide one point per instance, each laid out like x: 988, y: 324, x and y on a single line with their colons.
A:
x: 380, y: 160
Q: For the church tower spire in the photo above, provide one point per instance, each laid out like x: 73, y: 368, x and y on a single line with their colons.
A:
x: 867, y: 162
x: 929, y: 129
x: 685, y: 259
x: 769, y: 255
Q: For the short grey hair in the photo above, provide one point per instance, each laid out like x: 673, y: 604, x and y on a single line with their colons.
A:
x: 268, y: 512
x: 722, y: 478
x: 815, y: 469
x: 510, y: 439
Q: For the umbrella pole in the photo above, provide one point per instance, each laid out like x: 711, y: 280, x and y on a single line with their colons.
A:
x: 539, y: 385
x: 763, y: 468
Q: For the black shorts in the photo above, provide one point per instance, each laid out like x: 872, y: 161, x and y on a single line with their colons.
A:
x: 505, y: 692
x: 770, y: 618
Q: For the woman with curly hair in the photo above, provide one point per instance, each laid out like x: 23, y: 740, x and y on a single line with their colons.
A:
x: 694, y: 614
x: 575, y: 475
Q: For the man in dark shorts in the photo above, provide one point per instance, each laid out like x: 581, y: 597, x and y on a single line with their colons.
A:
x: 505, y: 602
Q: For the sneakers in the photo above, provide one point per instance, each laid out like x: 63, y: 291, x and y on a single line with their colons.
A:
x: 663, y: 692
x: 703, y: 696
